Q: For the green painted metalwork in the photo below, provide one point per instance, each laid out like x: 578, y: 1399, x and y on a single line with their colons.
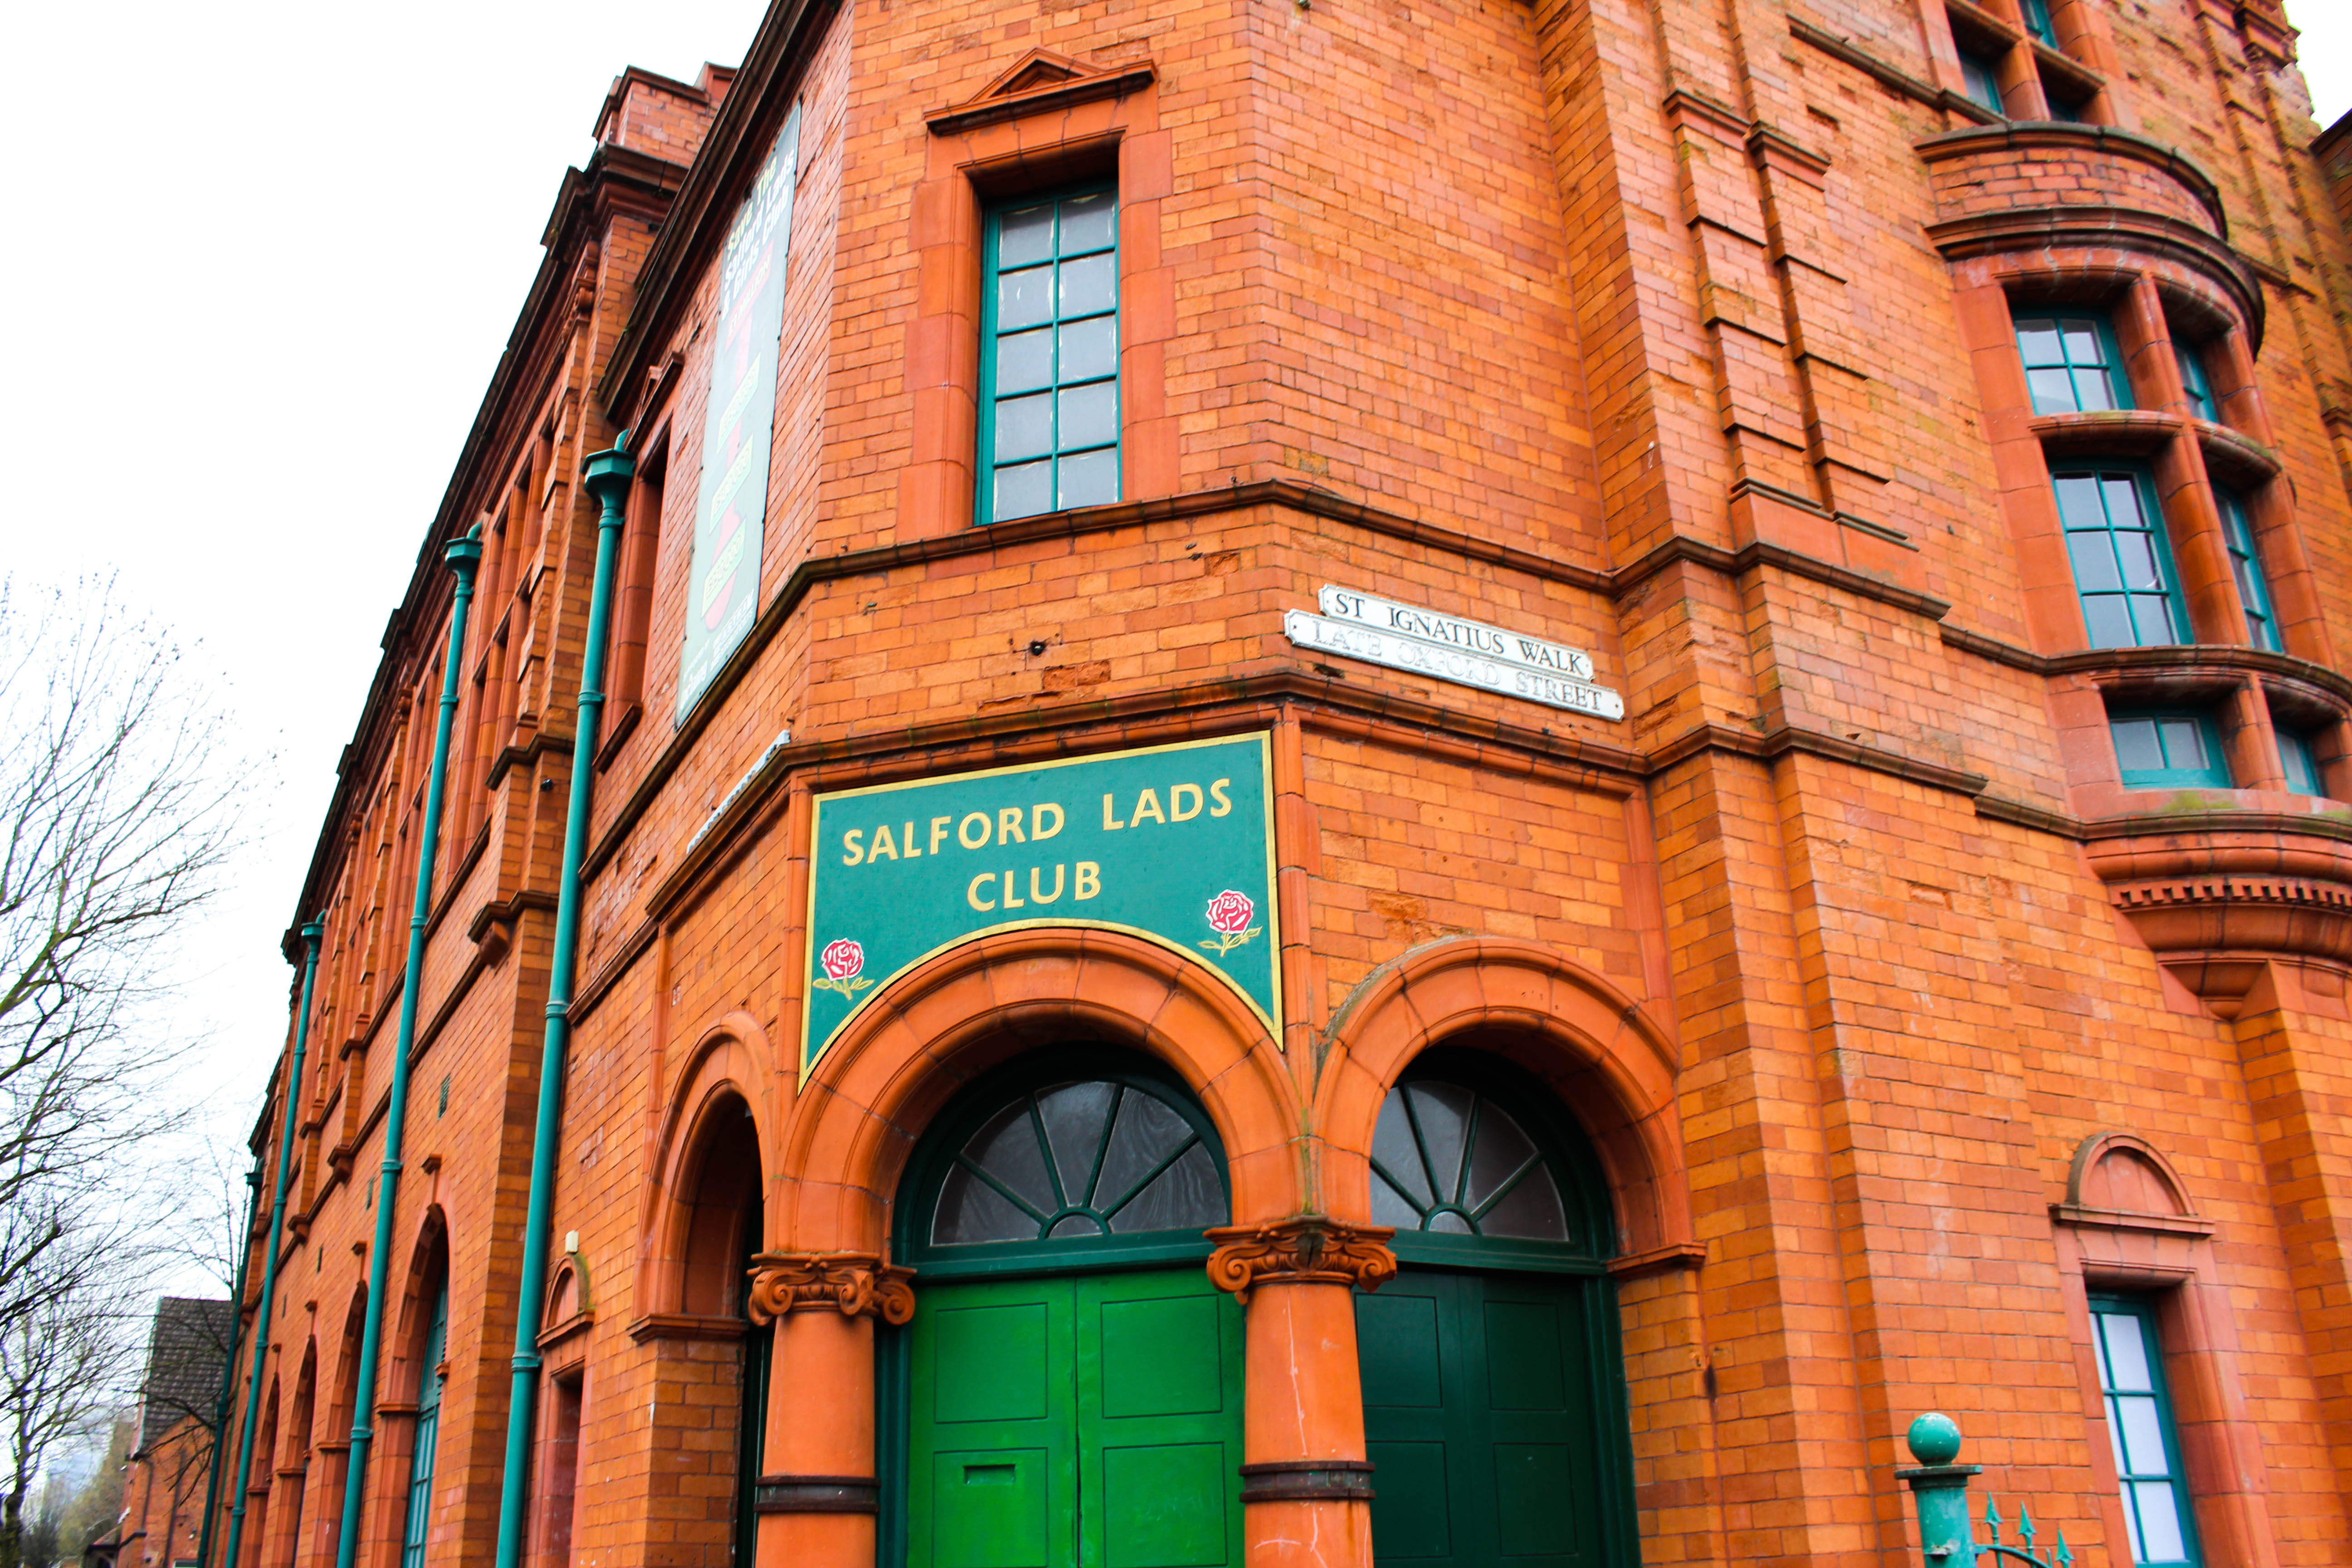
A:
x: 417, y: 1527
x: 2073, y: 365
x: 2138, y: 1408
x: 1173, y: 844
x: 312, y: 932
x: 1939, y: 1496
x: 2124, y: 571
x: 228, y: 1379
x: 464, y: 556
x: 1049, y: 414
x: 2170, y: 749
x: 607, y: 478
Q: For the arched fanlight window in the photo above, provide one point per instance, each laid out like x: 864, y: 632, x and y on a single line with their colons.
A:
x: 1065, y: 1157
x: 1452, y: 1167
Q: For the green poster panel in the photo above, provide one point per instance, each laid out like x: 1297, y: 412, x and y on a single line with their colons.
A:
x: 1172, y: 844
x: 1482, y: 1420
x: 1159, y: 1421
x: 991, y: 1451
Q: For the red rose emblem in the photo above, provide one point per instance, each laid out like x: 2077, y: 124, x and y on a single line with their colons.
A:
x: 840, y: 960
x: 1229, y: 916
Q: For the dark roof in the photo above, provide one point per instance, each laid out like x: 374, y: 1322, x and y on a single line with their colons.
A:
x: 185, y: 1354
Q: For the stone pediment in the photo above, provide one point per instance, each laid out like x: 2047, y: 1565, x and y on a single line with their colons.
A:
x: 1040, y: 81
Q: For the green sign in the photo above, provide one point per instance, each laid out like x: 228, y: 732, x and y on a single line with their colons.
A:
x: 1173, y: 844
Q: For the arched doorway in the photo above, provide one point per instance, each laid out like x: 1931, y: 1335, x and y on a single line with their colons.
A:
x: 717, y: 1228
x: 1494, y: 1387
x: 1070, y: 1387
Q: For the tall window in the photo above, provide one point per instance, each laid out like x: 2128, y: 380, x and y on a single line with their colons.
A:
x: 2114, y: 535
x: 2300, y: 762
x: 2072, y: 365
x: 1983, y: 83
x: 2139, y: 1420
x: 428, y: 1426
x: 1049, y: 371
x: 2169, y: 751
x: 2193, y: 379
x: 2253, y: 588
x: 2037, y: 22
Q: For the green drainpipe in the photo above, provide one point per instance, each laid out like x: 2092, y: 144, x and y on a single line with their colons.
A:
x: 607, y: 479
x: 312, y: 932
x: 228, y: 1370
x: 463, y: 555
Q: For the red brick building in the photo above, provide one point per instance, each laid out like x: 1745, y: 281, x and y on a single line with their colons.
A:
x: 1633, y: 716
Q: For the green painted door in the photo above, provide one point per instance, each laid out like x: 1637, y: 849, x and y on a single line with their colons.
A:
x: 1085, y: 1422
x: 1481, y: 1420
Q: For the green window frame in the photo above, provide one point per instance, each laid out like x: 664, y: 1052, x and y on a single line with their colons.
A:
x: 1049, y: 334
x: 1983, y: 83
x: 2123, y: 562
x: 2299, y: 760
x: 2139, y: 1410
x: 2037, y: 22
x: 2169, y: 748
x: 417, y: 1526
x: 2246, y: 565
x: 2194, y: 381
x: 2073, y: 364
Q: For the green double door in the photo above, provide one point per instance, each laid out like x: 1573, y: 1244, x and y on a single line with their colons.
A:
x: 1484, y: 1421
x: 1080, y: 1422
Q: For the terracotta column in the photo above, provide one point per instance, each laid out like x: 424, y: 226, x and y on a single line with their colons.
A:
x: 817, y: 1493
x: 1306, y: 1484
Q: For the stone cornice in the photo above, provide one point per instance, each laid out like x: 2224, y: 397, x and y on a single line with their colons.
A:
x: 1052, y: 99
x: 2061, y: 225
x: 2113, y: 140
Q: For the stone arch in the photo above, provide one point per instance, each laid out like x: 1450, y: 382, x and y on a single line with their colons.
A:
x: 428, y: 1271
x: 251, y: 1548
x: 2121, y: 1173
x: 1608, y: 1062
x: 693, y: 1215
x: 909, y: 1050
x: 335, y: 1448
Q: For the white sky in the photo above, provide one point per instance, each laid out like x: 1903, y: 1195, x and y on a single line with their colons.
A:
x: 266, y: 258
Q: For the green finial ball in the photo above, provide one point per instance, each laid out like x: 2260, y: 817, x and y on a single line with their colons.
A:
x: 1935, y: 1439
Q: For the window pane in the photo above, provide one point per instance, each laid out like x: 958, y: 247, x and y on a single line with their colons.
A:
x: 2094, y: 392
x: 2184, y: 743
x: 1186, y: 1195
x: 1024, y: 299
x: 2108, y: 618
x: 1089, y: 416
x: 1449, y: 1223
x: 1443, y: 1111
x: 1074, y: 1225
x: 1089, y: 284
x: 1087, y: 222
x: 1393, y: 1147
x: 2082, y: 344
x: 2127, y: 1358
x: 2095, y: 562
x: 1024, y: 427
x: 1007, y: 1150
x: 2160, y: 1523
x: 2136, y: 553
x: 2297, y: 761
x: 1146, y: 1133
x: 2143, y: 1434
x: 1091, y: 480
x: 2152, y: 621
x: 1025, y: 234
x: 1024, y: 491
x: 2054, y: 390
x: 1024, y: 361
x: 1390, y: 1208
x: 1501, y: 1150
x: 972, y: 1211
x: 1091, y: 347
x: 2039, y: 343
x: 2122, y: 495
x: 1531, y: 1210
x: 2135, y: 748
x: 1075, y: 1116
x: 2078, y: 501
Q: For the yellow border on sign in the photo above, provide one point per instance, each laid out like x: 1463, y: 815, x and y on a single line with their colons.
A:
x: 1273, y: 1021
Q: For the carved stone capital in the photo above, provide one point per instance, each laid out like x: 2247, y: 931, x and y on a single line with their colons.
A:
x: 1305, y: 1250
x: 854, y: 1284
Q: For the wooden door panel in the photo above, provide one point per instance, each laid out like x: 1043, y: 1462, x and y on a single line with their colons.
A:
x: 1159, y: 1421
x: 992, y: 1454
